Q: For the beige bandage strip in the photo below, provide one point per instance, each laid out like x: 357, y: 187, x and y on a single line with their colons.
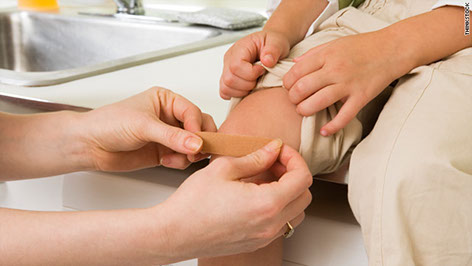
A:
x: 231, y: 145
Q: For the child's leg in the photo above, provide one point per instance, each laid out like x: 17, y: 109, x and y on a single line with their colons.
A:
x: 266, y: 113
x: 269, y: 113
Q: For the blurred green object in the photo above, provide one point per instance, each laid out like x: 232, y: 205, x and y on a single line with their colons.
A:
x: 346, y: 3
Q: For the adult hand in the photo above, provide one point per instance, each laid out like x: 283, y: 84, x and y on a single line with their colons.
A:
x: 214, y: 213
x: 239, y: 72
x: 352, y: 69
x: 149, y: 129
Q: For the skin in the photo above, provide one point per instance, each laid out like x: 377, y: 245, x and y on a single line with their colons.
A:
x: 278, y: 121
x: 133, y: 134
x: 269, y: 45
x: 119, y: 137
x: 340, y: 70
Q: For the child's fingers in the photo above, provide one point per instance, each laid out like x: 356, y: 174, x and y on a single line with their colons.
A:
x: 301, y: 69
x: 245, y: 70
x: 348, y: 111
x: 230, y: 92
x: 308, y: 85
x: 311, y: 52
x: 235, y: 82
x: 321, y: 100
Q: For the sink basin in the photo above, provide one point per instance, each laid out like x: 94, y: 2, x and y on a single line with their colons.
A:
x: 38, y: 49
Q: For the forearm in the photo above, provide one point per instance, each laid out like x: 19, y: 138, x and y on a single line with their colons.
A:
x: 127, y: 237
x: 428, y: 37
x: 293, y: 18
x: 41, y: 145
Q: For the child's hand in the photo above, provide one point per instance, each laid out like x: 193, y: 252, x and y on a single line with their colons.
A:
x: 239, y: 72
x: 352, y: 69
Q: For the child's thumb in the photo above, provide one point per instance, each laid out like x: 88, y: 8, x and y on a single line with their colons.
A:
x: 273, y: 50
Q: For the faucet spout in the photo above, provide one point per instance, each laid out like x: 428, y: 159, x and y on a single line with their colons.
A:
x: 131, y: 7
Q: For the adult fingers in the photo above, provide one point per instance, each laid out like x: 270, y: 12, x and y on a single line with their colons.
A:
x: 208, y: 124
x: 347, y: 112
x: 297, y: 206
x: 197, y: 157
x: 297, y: 178
x: 180, y: 108
x: 308, y: 85
x: 294, y: 222
x: 175, y: 138
x: 277, y: 169
x: 249, y: 165
x: 321, y: 100
x: 302, y: 68
x: 175, y: 160
x: 145, y: 157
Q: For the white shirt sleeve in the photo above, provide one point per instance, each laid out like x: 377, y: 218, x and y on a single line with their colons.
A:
x: 442, y: 3
x: 330, y: 9
x: 271, y: 6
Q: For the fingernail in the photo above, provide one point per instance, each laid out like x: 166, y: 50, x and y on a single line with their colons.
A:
x: 269, y: 58
x: 193, y: 143
x: 274, y: 145
x: 165, y: 161
x: 201, y: 156
x: 324, y: 133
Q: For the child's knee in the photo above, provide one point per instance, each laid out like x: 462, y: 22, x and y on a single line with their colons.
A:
x: 267, y: 113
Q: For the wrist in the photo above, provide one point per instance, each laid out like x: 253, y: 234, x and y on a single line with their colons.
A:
x: 405, y: 51
x: 402, y: 56
x: 81, y: 150
x: 289, y: 36
x: 164, y: 234
x: 294, y: 18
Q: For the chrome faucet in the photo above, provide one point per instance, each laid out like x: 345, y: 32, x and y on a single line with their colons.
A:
x: 131, y: 7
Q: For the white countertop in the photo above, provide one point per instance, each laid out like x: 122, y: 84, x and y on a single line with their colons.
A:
x: 194, y: 76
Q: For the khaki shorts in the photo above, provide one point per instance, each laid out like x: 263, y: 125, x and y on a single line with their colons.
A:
x: 326, y: 154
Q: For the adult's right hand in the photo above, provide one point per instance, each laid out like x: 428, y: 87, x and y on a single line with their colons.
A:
x: 240, y: 74
x: 214, y: 213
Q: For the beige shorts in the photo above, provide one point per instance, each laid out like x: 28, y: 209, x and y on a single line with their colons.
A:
x: 326, y: 154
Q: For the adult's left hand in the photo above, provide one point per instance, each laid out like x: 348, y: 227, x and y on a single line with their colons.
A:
x: 149, y: 129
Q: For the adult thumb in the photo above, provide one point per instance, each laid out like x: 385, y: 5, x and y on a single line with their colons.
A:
x: 256, y: 162
x: 175, y: 138
x: 273, y: 50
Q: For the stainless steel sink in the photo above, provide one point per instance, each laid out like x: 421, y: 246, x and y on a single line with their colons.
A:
x: 39, y: 49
